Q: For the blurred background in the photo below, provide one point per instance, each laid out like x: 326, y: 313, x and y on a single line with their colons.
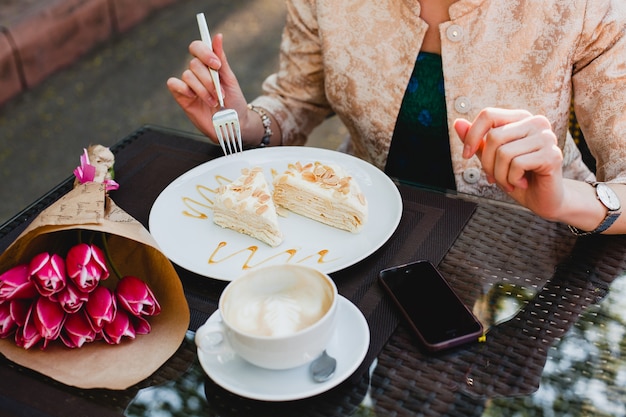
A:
x: 111, y: 84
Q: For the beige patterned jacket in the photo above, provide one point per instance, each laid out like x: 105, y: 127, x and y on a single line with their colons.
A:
x: 354, y: 58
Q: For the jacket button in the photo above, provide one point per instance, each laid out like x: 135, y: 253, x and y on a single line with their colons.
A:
x: 462, y: 104
x: 471, y: 175
x: 454, y: 33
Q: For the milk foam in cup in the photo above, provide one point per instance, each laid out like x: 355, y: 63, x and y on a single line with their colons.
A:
x: 276, y: 317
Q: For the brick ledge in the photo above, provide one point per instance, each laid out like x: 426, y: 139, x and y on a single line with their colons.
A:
x: 38, y: 38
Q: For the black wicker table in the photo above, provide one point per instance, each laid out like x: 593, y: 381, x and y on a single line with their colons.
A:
x: 553, y: 303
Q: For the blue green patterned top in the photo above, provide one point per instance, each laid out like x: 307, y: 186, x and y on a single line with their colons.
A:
x: 420, y: 147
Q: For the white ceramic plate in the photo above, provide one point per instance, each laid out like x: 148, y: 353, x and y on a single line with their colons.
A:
x: 349, y: 346
x: 181, y: 219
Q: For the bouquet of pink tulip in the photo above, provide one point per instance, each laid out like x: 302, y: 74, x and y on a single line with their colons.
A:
x: 62, y: 290
x: 54, y: 298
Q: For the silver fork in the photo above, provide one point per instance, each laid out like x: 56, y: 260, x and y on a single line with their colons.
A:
x: 225, y: 121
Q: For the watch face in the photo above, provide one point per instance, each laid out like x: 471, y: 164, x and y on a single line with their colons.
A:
x: 608, y: 197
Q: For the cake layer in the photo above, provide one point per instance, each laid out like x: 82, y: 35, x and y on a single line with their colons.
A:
x: 246, y: 206
x: 322, y: 192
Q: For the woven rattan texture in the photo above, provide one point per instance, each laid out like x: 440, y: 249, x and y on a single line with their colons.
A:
x: 560, y: 277
x: 503, y: 253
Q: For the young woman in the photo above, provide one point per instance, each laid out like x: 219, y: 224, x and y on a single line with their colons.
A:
x: 472, y: 95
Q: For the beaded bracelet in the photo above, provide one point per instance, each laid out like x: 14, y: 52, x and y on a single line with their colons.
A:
x: 265, y: 119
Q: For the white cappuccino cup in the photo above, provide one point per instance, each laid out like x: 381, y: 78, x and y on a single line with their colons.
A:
x: 276, y: 317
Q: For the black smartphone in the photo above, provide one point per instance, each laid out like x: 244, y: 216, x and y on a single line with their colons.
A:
x: 433, y: 310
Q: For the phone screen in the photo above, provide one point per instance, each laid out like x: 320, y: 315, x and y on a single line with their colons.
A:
x: 431, y: 306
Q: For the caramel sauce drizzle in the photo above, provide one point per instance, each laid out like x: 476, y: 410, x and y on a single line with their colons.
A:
x: 289, y: 253
x: 198, y: 210
x: 204, y: 191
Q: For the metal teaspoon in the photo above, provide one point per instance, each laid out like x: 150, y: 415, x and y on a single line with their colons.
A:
x: 323, y: 368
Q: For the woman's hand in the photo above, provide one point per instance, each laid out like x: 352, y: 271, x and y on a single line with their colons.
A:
x: 519, y: 152
x: 195, y: 92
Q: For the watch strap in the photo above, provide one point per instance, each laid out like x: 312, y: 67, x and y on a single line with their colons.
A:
x: 606, y: 223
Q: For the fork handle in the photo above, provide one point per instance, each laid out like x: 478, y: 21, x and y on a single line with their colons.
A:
x: 206, y: 38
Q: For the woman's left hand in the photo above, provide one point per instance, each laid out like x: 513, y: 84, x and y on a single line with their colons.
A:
x: 519, y: 152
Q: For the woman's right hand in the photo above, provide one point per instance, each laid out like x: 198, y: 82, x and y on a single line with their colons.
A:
x: 195, y: 93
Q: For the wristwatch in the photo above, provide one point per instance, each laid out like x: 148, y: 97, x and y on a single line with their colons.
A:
x: 609, y: 198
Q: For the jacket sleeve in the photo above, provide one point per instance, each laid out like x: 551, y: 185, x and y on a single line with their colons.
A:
x: 295, y: 95
x: 599, y: 82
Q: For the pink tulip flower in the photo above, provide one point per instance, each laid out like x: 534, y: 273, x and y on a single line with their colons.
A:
x: 7, y: 322
x: 110, y: 185
x: 141, y: 325
x: 101, y: 307
x: 49, y: 318
x: 77, y: 330
x: 48, y: 273
x: 136, y: 297
x: 28, y: 335
x: 71, y: 298
x: 85, y: 172
x: 19, y: 310
x: 16, y: 284
x: 86, y: 266
x: 120, y: 326
x: 13, y: 315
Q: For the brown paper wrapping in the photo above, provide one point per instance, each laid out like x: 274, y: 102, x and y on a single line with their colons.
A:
x: 134, y: 251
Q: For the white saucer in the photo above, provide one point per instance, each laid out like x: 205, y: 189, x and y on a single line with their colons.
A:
x: 349, y: 346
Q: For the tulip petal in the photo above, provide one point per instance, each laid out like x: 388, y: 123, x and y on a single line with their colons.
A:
x: 71, y: 298
x: 85, y: 172
x: 86, y: 266
x: 99, y: 257
x: 48, y: 273
x: 19, y: 310
x: 39, y: 261
x: 48, y: 318
x: 7, y: 322
x: 101, y: 307
x: 77, y: 330
x: 141, y: 325
x: 136, y: 297
x: 15, y: 283
x: 120, y: 326
x: 111, y: 185
x: 77, y: 257
x: 28, y: 335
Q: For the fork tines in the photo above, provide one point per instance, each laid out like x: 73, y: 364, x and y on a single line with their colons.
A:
x: 226, y: 123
